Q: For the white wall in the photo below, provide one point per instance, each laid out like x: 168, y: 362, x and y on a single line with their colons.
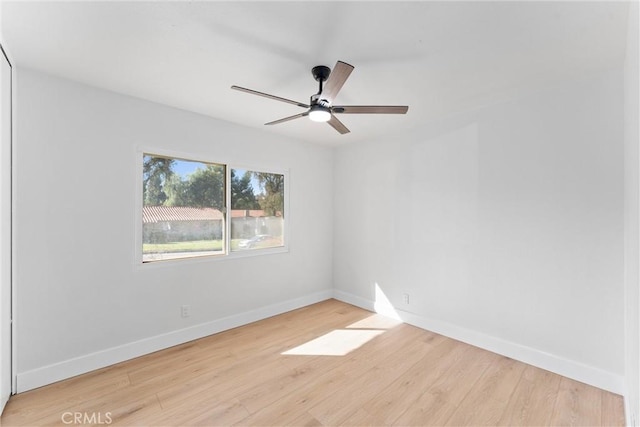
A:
x: 504, y: 225
x: 631, y: 218
x: 81, y: 300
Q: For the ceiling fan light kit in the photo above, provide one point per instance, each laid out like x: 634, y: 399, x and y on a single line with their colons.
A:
x: 321, y: 108
x: 318, y: 113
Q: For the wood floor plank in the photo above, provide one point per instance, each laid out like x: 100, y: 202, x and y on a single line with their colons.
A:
x: 237, y: 378
x: 386, y: 373
x: 577, y: 404
x: 297, y: 400
x: 533, y: 399
x: 362, y: 418
x: 487, y: 399
x: 388, y: 405
x: 353, y: 364
x: 441, y: 400
x: 123, y: 408
x: 271, y: 390
x: 347, y: 399
x: 305, y: 420
x: 199, y: 413
x: 295, y: 404
x: 240, y: 375
x: 25, y: 408
x: 612, y: 410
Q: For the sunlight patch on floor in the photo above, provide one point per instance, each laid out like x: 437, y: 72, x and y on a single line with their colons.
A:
x: 336, y: 343
x: 341, y: 342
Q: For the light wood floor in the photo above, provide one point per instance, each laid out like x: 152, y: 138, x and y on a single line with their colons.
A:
x: 401, y: 376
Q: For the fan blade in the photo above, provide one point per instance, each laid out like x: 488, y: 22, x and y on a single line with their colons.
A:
x: 337, y: 125
x: 370, y: 109
x: 286, y: 119
x: 336, y: 79
x: 266, y: 95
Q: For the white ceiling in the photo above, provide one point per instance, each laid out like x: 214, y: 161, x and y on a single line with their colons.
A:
x: 436, y: 57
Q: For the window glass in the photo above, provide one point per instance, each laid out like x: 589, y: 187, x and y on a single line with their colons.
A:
x: 257, y: 210
x: 183, y: 208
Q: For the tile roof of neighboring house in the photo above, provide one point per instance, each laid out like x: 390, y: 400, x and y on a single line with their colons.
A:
x: 152, y: 214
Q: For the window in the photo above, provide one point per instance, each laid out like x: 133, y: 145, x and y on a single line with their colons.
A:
x: 185, y: 213
x: 257, y: 210
x: 183, y: 204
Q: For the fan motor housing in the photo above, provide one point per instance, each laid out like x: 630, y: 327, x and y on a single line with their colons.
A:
x: 318, y: 100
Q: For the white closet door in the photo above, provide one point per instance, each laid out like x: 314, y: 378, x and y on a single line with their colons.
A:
x: 5, y: 230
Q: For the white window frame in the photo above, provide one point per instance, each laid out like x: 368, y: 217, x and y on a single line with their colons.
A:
x: 228, y: 254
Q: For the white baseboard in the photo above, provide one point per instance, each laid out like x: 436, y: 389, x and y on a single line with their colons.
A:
x: 90, y: 362
x: 354, y: 300
x: 550, y: 362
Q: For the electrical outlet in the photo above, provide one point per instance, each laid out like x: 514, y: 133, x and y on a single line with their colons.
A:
x: 405, y: 299
x: 185, y: 310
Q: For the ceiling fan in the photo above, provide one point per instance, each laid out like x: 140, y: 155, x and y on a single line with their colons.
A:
x: 321, y: 108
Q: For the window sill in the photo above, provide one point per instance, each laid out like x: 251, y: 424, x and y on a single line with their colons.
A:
x: 199, y: 259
